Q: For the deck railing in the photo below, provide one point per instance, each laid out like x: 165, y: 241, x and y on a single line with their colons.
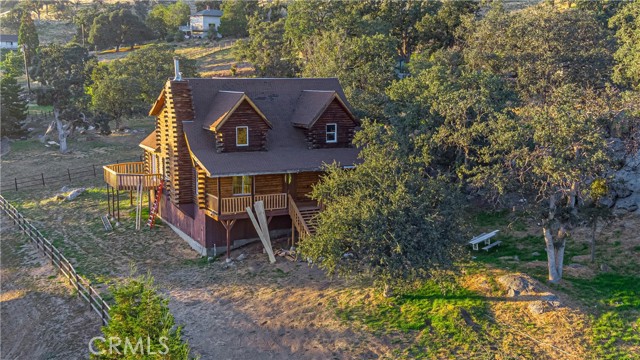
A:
x: 128, y: 176
x: 273, y: 201
x: 239, y: 204
x: 235, y: 205
x: 297, y: 219
x: 211, y: 202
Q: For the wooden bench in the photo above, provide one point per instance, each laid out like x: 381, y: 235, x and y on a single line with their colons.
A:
x: 486, y: 248
x: 486, y: 238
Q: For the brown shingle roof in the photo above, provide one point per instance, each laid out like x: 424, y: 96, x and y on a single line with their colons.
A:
x: 149, y: 143
x: 310, y: 105
x: 287, y: 147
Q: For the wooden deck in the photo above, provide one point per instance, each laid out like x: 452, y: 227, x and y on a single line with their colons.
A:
x: 128, y: 176
x: 237, y: 204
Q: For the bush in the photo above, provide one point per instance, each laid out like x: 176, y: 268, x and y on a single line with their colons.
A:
x: 141, y: 325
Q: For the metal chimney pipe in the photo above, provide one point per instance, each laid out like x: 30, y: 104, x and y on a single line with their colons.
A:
x: 176, y: 65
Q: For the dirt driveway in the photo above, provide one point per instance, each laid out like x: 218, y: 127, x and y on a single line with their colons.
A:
x: 255, y: 310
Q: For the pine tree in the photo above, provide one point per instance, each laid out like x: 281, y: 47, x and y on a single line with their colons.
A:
x: 28, y: 37
x: 14, y: 108
x: 142, y: 324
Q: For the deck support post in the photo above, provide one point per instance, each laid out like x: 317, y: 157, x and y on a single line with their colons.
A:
x: 293, y: 233
x: 118, y: 200
x: 219, y: 198
x: 113, y: 201
x: 108, y: 201
x: 228, y: 225
x: 253, y: 190
x: 131, y: 197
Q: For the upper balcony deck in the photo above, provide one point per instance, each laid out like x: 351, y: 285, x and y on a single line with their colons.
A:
x: 130, y: 175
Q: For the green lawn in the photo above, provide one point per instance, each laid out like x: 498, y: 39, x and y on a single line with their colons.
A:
x: 430, y: 323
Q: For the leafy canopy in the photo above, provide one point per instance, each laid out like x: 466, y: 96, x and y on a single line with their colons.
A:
x: 627, y: 24
x: 266, y: 49
x: 163, y: 20
x: 388, y: 218
x: 127, y: 86
x: 118, y: 27
x: 62, y: 70
x: 541, y: 49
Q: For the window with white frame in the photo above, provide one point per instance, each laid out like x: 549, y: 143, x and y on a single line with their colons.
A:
x: 332, y: 133
x: 242, y: 136
x: 241, y: 185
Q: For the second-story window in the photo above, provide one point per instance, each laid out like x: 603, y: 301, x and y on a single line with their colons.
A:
x: 332, y: 133
x: 242, y: 136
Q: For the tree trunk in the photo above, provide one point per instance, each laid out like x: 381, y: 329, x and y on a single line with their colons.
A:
x: 387, y: 291
x: 573, y: 198
x: 62, y: 133
x: 554, y: 276
x: 593, y: 240
x: 555, y: 249
x: 49, y: 131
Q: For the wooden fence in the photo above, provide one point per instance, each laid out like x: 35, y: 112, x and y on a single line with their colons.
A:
x: 84, y: 288
x: 43, y: 180
x: 40, y: 114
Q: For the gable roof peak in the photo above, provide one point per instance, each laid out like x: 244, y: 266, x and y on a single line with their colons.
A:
x: 223, y: 105
x: 311, y: 105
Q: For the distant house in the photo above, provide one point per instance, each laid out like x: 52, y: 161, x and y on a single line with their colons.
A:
x: 202, y: 21
x: 221, y: 144
x: 9, y: 42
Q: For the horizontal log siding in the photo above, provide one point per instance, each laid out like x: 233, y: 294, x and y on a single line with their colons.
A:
x: 226, y: 187
x: 244, y: 115
x: 304, y: 183
x: 202, y: 181
x: 269, y: 184
x: 211, y: 186
x: 334, y: 114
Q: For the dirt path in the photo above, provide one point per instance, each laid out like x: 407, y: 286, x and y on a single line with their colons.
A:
x: 255, y: 310
x: 41, y: 318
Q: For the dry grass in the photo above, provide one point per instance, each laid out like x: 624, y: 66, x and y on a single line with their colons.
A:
x: 213, y: 61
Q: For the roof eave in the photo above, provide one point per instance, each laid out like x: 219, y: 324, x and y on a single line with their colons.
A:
x: 324, y: 108
x: 158, y: 105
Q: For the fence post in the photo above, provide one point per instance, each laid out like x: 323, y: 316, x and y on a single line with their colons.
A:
x: 102, y: 313
x: 42, y: 174
x: 16, y: 182
x: 69, y: 173
x: 77, y: 280
x: 94, y: 170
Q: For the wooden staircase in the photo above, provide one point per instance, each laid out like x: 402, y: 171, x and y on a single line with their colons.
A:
x: 303, y: 218
x: 309, y: 217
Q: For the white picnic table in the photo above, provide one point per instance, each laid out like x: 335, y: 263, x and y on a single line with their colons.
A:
x: 486, y: 238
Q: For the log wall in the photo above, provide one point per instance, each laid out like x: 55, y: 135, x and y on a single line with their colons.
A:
x: 334, y: 114
x: 304, y: 182
x: 173, y: 147
x: 244, y: 115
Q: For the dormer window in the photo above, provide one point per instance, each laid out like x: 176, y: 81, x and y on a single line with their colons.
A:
x: 332, y: 133
x: 242, y: 136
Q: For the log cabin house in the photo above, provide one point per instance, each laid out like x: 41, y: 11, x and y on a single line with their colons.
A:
x: 221, y: 144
